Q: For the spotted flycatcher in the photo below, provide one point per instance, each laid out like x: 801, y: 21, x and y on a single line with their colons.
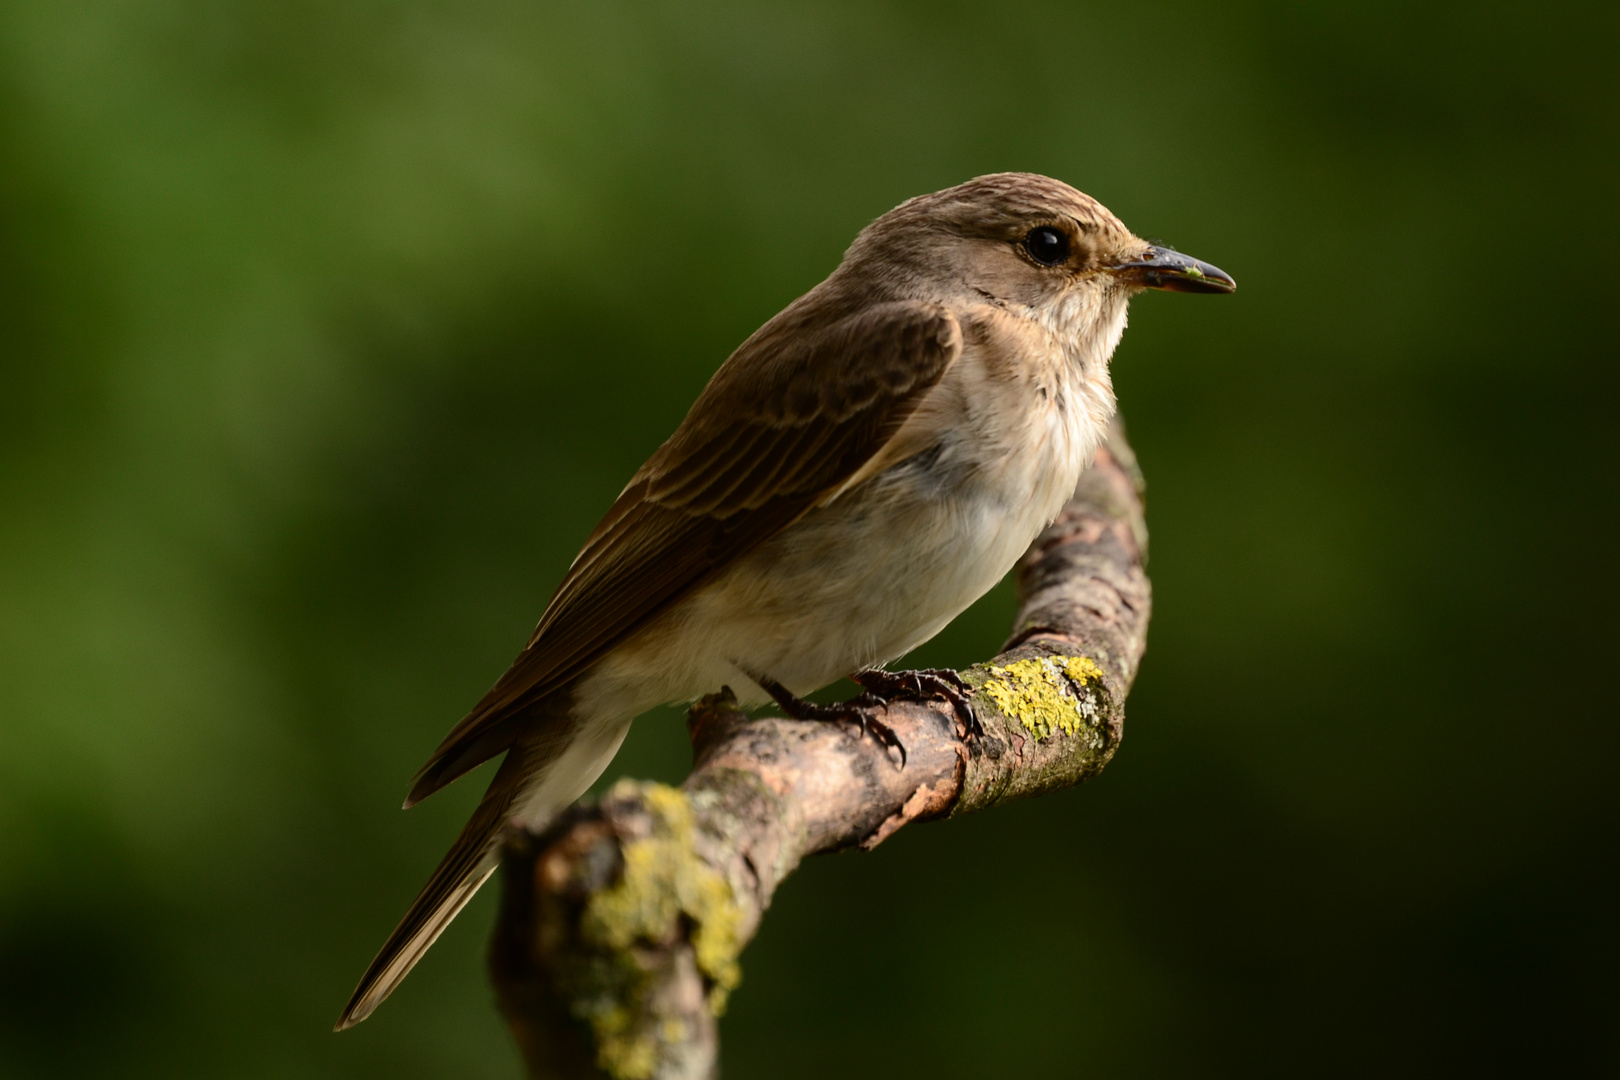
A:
x: 859, y: 471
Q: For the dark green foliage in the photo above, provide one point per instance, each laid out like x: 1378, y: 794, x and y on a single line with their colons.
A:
x: 327, y: 331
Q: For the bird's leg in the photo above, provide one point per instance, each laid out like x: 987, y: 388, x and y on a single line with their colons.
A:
x: 925, y: 683
x: 859, y: 710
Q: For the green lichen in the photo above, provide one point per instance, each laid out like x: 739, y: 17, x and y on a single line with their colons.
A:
x: 621, y: 1051
x: 1046, y: 694
x: 664, y: 884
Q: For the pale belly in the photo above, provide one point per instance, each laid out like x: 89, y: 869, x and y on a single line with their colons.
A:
x: 855, y: 584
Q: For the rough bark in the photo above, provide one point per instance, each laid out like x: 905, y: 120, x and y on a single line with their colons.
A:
x: 621, y: 924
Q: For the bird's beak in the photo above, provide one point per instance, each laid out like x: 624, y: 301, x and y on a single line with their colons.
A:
x: 1161, y: 268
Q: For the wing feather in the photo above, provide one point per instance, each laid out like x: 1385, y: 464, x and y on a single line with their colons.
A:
x: 783, y: 425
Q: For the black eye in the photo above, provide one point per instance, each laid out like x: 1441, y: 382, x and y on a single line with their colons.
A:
x: 1047, y: 246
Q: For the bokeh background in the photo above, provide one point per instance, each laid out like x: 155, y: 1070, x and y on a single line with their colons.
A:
x: 327, y: 330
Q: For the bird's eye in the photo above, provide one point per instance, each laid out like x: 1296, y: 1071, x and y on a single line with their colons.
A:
x: 1047, y: 246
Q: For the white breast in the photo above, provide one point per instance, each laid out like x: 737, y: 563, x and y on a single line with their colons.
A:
x: 887, y: 564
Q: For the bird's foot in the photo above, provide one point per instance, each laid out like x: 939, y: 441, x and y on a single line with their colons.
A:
x: 857, y: 710
x: 925, y: 683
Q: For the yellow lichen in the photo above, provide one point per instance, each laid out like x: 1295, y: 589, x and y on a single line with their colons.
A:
x: 663, y: 883
x: 1082, y: 668
x: 1033, y: 692
x: 626, y: 1056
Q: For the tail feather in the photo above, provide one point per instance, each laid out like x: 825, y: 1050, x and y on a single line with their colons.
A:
x: 468, y: 864
x: 543, y: 773
x: 404, y: 949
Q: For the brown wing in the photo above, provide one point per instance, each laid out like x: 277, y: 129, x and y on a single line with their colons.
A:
x: 795, y: 412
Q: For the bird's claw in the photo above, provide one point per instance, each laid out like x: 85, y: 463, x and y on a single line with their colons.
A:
x: 924, y: 683
x: 858, y: 710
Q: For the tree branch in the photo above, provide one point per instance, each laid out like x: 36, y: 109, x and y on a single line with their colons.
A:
x: 621, y: 923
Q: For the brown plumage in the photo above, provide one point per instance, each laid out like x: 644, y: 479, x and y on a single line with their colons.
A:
x: 790, y: 418
x: 858, y: 471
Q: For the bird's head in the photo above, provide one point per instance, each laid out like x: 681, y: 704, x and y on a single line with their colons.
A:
x: 1025, y: 242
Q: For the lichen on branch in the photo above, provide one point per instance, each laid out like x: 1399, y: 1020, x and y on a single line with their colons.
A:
x: 1046, y: 694
x: 622, y: 923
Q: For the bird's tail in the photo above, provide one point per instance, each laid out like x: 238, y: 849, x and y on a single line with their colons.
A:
x: 537, y: 781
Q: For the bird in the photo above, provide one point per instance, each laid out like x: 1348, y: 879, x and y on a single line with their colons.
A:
x: 859, y: 471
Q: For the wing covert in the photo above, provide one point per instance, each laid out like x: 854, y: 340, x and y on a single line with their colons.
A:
x: 786, y: 421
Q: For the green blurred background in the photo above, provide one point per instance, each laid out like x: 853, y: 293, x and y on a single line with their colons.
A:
x: 327, y: 330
